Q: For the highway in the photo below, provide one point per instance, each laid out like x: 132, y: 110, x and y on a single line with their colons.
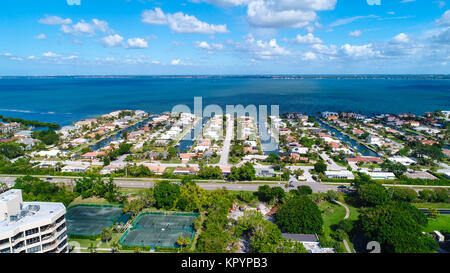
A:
x: 147, y: 183
x: 441, y: 211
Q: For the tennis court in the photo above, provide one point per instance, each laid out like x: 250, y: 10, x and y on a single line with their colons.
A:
x: 159, y: 230
x: 92, y: 220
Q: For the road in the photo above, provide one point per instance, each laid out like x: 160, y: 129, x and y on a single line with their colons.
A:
x: 232, y: 186
x: 331, y: 164
x: 227, y: 143
x: 441, y: 211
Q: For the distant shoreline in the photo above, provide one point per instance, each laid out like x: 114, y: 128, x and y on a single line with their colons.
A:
x: 281, y: 76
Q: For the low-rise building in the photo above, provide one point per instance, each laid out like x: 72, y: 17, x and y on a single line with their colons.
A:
x: 406, y: 161
x: 344, y: 174
x: 380, y: 175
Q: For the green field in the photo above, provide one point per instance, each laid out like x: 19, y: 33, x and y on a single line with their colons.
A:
x: 441, y: 223
x: 432, y: 205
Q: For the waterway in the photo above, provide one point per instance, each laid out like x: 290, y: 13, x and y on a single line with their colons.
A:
x: 355, y: 145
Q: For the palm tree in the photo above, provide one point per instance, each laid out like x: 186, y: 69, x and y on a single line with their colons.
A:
x: 115, y: 247
x: 92, y: 248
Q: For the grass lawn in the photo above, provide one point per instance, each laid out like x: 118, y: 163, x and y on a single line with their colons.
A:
x: 84, y: 242
x: 115, y: 237
x: 432, y: 205
x: 441, y: 223
x: 131, y: 191
x: 332, y: 214
x: 91, y: 200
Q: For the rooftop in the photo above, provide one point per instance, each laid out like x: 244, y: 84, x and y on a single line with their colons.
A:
x: 29, y: 213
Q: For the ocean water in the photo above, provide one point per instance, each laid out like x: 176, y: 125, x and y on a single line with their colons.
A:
x: 66, y: 99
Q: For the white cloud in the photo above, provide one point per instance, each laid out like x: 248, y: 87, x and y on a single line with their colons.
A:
x: 309, y: 56
x: 444, y: 20
x: 176, y: 62
x: 224, y: 3
x: 325, y: 50
x: 307, y: 39
x: 83, y: 27
x: 400, y: 39
x: 137, y: 43
x: 263, y: 13
x: 349, y: 20
x: 41, y: 36
x: 259, y: 49
x: 180, y: 22
x: 50, y: 54
x: 355, y: 33
x: 112, y: 40
x: 364, y: 51
x: 55, y: 20
x: 279, y: 13
x: 210, y: 48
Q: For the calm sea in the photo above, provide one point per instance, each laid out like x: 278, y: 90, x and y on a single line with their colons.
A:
x: 65, y: 99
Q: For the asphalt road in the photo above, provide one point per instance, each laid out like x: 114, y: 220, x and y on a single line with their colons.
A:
x: 233, y: 186
x: 441, y: 211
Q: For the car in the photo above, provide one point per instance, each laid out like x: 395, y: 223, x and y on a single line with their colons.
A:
x: 342, y: 187
x: 49, y: 178
x: 291, y: 185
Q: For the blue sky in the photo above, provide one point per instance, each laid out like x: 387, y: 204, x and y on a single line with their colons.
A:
x: 156, y: 37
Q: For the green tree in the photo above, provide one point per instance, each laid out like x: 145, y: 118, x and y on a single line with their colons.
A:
x: 48, y: 137
x: 11, y: 150
x: 395, y: 228
x: 320, y: 167
x: 372, y: 194
x: 166, y: 194
x: 299, y: 214
x: 106, y: 235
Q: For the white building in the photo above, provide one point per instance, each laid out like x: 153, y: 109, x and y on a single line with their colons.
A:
x: 375, y: 140
x: 380, y: 175
x: 406, y: 161
x: 31, y: 227
x: 339, y: 174
x: 75, y: 168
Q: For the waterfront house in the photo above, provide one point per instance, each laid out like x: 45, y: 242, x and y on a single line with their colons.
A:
x: 367, y: 159
x: 185, y: 171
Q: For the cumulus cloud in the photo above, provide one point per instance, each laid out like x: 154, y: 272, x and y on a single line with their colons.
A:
x: 267, y: 14
x: 307, y: 39
x: 89, y: 28
x: 54, y: 20
x: 180, y: 22
x: 444, y: 20
x: 41, y: 36
x: 363, y: 51
x: 137, y: 43
x: 355, y: 33
x: 224, y: 3
x: 112, y: 40
x: 309, y: 56
x: 278, y: 13
x: 50, y: 54
x: 176, y: 62
x: 258, y: 49
x: 210, y: 48
x: 400, y: 39
x: 324, y: 49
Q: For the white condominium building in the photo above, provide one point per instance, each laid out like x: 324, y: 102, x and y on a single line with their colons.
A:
x: 31, y: 227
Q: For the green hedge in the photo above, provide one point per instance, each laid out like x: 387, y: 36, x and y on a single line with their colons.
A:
x: 89, y: 237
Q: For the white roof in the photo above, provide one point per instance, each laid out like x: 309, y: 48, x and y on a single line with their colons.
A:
x: 46, y: 210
